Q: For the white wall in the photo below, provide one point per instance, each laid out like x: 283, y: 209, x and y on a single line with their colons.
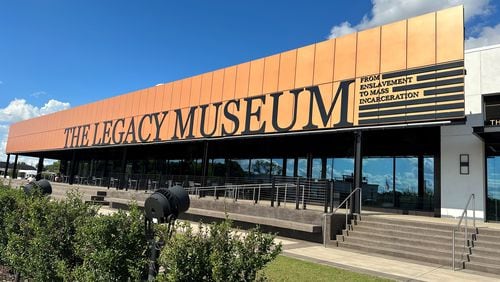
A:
x: 483, y: 77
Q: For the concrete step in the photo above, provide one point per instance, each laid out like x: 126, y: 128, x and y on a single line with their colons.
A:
x: 101, y: 203
x: 441, y: 260
x: 395, y: 235
x: 406, y: 234
x: 484, y: 259
x: 404, y: 228
x: 97, y: 198
x: 424, y: 242
x: 487, y: 245
x: 486, y: 252
x: 484, y: 267
x: 412, y: 223
x: 487, y: 239
x: 433, y: 225
x: 416, y: 248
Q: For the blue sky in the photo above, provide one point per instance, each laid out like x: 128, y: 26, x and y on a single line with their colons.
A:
x: 56, y: 54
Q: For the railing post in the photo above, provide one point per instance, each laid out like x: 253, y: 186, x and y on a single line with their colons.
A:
x: 474, y: 211
x: 453, y: 250
x: 326, y: 197
x: 258, y: 196
x: 278, y: 195
x: 297, y: 194
x: 303, y: 197
x: 215, y: 193
x: 286, y: 191
x: 253, y: 195
x: 346, y: 211
x: 273, y: 183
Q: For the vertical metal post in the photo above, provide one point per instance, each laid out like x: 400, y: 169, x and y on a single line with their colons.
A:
x: 278, y: 195
x: 14, y: 168
x: 205, y: 165
x: 273, y: 184
x: 453, y: 250
x: 123, y: 178
x: 474, y: 211
x: 39, y: 169
x: 326, y: 197
x: 6, y: 166
x: 297, y: 193
x: 355, y: 208
x: 72, y: 168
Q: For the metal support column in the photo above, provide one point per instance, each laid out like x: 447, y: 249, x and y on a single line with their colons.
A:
x: 39, y: 169
x: 204, y: 164
x: 421, y: 183
x: 123, y: 170
x: 72, y: 166
x: 355, y: 207
x: 6, y: 166
x: 14, y: 168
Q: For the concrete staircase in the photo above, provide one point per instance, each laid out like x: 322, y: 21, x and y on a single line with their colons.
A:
x: 423, y: 241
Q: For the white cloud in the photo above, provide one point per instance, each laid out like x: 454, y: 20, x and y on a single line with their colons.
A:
x: 19, y: 109
x: 487, y: 36
x: 38, y: 94
x: 387, y: 11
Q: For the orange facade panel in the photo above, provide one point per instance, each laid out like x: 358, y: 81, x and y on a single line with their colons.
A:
x: 286, y: 77
x: 345, y: 57
x: 368, y: 52
x: 185, y: 93
x: 393, y: 47
x: 256, y: 77
x: 323, y: 62
x: 229, y: 83
x: 449, y: 35
x: 242, y: 80
x: 305, y: 66
x: 271, y: 72
x: 422, y: 40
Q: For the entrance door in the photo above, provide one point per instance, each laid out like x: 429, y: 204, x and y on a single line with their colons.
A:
x: 493, y: 188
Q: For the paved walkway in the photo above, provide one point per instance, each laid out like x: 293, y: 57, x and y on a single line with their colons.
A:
x: 396, y: 269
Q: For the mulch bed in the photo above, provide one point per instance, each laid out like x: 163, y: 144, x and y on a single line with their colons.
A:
x: 6, y: 274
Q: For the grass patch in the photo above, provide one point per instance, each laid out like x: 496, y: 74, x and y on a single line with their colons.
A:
x: 290, y: 269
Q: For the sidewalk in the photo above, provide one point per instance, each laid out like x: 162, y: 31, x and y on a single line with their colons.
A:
x: 376, y: 265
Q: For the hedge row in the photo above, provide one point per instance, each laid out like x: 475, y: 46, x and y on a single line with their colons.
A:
x: 47, y: 240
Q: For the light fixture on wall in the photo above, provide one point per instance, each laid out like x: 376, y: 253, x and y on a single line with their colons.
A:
x: 464, y: 163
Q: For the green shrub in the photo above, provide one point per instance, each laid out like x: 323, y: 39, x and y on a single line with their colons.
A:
x: 9, y: 201
x: 112, y: 247
x: 41, y: 234
x: 216, y: 253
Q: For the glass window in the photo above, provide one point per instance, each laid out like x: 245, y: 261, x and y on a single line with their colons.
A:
x: 239, y: 168
x: 342, y: 168
x: 277, y: 166
x: 406, y: 182
x: 316, y: 168
x: 260, y: 167
x: 302, y: 167
x: 493, y: 175
x: 290, y: 164
x: 217, y: 167
x: 378, y: 182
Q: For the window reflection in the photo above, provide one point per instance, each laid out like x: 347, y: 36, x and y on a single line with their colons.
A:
x: 379, y: 183
x: 493, y: 175
x: 302, y: 167
x: 290, y: 164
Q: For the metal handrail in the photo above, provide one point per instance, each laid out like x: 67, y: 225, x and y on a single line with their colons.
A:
x: 457, y: 228
x: 346, y: 209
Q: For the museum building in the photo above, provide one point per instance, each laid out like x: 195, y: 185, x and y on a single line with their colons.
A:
x: 400, y: 110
